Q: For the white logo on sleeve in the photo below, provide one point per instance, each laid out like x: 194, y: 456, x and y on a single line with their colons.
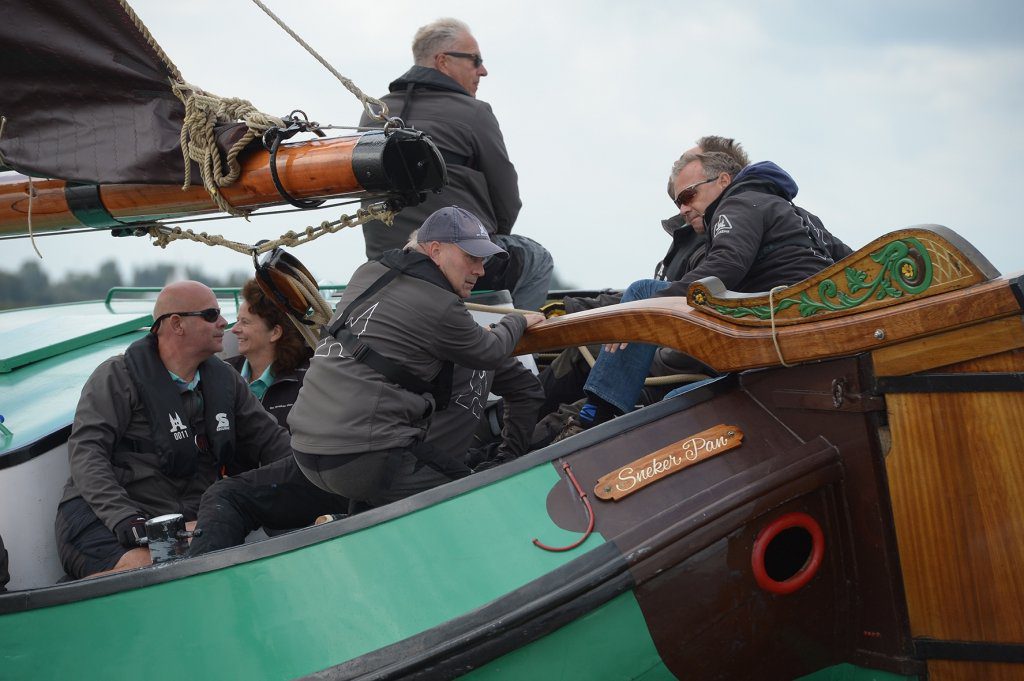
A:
x: 722, y: 226
x: 222, y: 422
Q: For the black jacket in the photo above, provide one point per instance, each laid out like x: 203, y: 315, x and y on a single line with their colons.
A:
x: 758, y: 239
x: 481, y: 177
x: 280, y: 396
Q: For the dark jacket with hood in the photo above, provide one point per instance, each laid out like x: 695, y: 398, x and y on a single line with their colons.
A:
x: 417, y: 322
x: 481, y: 178
x: 758, y: 239
x: 280, y: 396
x: 118, y: 470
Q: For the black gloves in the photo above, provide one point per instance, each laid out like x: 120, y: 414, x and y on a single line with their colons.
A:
x: 131, y: 531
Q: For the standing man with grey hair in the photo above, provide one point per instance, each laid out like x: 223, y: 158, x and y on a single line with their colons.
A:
x: 438, y: 96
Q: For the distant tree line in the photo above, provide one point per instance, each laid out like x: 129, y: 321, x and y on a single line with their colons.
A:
x: 29, y: 285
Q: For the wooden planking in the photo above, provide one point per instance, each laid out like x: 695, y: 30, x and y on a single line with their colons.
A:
x: 727, y: 346
x: 922, y: 354
x: 957, y: 488
x: 947, y: 670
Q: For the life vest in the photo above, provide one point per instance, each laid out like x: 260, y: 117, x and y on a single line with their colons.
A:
x: 173, y: 435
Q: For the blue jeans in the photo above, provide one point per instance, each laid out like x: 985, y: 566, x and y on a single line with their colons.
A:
x: 618, y: 377
x: 531, y: 290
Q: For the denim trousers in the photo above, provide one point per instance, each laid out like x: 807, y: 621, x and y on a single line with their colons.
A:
x: 618, y: 377
x: 531, y: 290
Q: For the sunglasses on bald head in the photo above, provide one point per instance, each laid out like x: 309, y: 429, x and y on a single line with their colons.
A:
x: 688, y: 193
x: 210, y: 315
x: 478, y: 61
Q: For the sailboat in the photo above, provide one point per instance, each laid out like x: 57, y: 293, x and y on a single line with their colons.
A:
x: 842, y: 502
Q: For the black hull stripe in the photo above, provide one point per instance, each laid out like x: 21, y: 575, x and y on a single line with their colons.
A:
x: 968, y: 651
x: 952, y: 383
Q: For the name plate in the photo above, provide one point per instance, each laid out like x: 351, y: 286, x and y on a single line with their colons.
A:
x: 667, y: 460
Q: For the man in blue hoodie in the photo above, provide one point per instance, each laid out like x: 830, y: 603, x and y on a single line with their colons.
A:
x: 757, y: 239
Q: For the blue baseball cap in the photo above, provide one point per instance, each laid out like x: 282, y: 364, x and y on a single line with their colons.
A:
x: 454, y: 225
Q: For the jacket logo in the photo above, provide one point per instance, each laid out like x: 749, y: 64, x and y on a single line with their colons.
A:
x: 722, y: 226
x: 222, y: 422
x: 473, y: 399
x: 178, y: 429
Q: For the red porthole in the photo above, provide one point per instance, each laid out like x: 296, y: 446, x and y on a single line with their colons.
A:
x: 787, y: 553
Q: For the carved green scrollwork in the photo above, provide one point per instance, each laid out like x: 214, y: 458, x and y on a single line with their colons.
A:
x: 905, y: 268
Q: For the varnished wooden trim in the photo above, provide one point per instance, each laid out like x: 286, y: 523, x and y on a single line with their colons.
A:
x: 727, y: 346
x: 314, y: 169
x: 949, y: 347
x: 907, y: 264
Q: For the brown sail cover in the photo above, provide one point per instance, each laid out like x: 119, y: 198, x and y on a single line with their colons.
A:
x: 85, y: 96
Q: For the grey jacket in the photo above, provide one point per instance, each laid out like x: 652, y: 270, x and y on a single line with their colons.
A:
x: 119, y: 482
x: 481, y: 177
x: 416, y: 321
x: 453, y: 429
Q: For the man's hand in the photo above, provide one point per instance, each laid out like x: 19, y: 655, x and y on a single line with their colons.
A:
x: 533, y: 318
x: 131, y: 531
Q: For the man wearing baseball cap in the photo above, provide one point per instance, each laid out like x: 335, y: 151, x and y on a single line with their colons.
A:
x: 381, y: 370
x: 359, y: 421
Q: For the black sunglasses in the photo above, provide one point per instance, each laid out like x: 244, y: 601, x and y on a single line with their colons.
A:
x: 210, y: 314
x: 687, y: 194
x: 478, y: 61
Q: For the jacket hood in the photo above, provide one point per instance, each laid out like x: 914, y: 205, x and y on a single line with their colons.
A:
x: 674, y: 223
x: 416, y: 264
x: 767, y: 171
x: 427, y: 77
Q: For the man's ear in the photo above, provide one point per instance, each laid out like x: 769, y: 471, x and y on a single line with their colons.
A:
x: 441, y: 62
x: 434, y: 250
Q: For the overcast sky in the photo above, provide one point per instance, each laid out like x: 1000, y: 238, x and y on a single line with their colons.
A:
x: 887, y: 114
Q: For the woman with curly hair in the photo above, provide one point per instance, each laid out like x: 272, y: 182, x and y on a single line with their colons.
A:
x: 272, y: 357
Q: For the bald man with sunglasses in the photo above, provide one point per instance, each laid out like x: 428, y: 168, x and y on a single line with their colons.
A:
x: 153, y: 429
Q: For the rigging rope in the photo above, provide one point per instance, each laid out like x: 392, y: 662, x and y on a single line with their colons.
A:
x: 775, y: 335
x: 163, y: 235
x: 381, y: 115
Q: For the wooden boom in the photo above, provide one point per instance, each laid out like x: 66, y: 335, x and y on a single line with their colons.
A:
x: 372, y: 163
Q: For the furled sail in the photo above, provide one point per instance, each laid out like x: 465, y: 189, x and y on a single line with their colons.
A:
x: 87, y: 97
